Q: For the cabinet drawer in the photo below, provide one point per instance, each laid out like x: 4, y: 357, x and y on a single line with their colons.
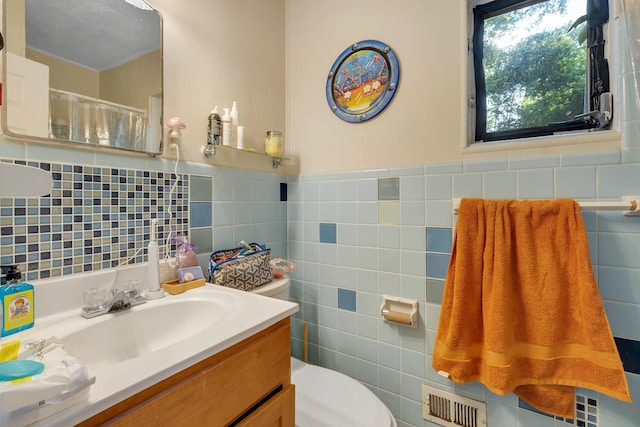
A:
x: 279, y: 411
x: 222, y: 391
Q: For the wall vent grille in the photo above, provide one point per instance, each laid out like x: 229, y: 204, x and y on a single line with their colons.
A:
x: 450, y: 410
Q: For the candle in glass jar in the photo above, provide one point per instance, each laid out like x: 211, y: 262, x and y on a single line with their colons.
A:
x: 273, y: 143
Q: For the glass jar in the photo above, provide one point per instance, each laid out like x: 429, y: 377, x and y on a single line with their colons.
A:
x: 274, y: 145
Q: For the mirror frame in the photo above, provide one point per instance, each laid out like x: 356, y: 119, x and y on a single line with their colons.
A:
x: 71, y: 143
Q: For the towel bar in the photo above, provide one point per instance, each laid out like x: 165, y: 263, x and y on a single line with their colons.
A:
x: 628, y: 204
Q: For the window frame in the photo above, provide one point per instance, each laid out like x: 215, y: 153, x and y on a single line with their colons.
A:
x: 598, y: 82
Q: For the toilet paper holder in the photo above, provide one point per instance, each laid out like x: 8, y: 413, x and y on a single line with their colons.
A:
x: 403, y: 311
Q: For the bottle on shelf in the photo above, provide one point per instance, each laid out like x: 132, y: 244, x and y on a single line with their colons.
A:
x: 234, y: 124
x: 240, y: 138
x: 226, y: 128
x: 213, y: 127
x: 234, y: 113
x: 273, y: 144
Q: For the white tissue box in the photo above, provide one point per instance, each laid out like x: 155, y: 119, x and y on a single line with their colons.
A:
x: 62, y: 383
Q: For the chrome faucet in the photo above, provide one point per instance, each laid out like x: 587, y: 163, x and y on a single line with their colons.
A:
x: 118, y: 300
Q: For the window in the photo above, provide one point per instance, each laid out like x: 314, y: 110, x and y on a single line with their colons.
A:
x: 537, y: 67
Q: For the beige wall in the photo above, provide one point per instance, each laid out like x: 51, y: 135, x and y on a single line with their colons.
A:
x: 67, y: 76
x: 273, y: 56
x: 217, y: 52
x: 425, y: 121
x: 16, y: 42
x: 145, y: 70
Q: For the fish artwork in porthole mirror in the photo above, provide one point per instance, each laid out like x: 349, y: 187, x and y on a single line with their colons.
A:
x: 362, y: 81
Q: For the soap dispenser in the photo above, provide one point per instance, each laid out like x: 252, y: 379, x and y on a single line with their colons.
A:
x: 17, y: 302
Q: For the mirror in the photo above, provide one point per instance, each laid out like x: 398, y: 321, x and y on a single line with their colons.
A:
x: 84, y: 71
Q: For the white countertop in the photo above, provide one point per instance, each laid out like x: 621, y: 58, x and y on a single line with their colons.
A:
x: 235, y: 315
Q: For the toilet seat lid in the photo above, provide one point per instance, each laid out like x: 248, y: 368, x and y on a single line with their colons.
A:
x: 326, y: 398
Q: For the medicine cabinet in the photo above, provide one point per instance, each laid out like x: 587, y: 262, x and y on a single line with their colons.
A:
x: 84, y: 72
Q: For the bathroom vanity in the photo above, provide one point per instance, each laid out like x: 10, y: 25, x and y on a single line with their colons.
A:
x: 247, y: 384
x: 210, y: 356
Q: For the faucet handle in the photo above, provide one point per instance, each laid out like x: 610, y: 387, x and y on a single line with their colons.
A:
x: 101, y: 301
x: 133, y: 287
x: 94, y: 297
x: 133, y: 292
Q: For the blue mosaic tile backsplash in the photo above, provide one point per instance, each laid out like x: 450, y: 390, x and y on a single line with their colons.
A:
x: 94, y: 218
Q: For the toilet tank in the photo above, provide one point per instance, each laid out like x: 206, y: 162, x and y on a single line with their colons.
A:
x: 278, y: 288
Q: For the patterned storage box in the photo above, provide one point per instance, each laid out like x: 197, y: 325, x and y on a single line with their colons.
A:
x: 240, y: 268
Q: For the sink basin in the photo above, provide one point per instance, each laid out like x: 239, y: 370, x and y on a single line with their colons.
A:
x: 117, y: 337
x: 114, y: 338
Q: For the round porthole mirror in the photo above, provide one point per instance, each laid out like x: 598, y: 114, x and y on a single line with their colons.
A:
x: 362, y: 81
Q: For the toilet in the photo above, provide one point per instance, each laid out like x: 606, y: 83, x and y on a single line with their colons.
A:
x: 326, y: 398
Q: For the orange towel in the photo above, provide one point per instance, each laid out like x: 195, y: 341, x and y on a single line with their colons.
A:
x: 521, y: 310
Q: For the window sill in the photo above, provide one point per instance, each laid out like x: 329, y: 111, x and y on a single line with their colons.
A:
x: 553, y: 144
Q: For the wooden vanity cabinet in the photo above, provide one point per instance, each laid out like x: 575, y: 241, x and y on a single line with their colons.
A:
x: 248, y: 385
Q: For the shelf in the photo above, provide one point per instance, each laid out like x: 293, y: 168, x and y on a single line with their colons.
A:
x: 209, y: 150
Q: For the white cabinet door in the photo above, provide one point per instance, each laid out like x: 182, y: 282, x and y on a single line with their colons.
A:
x: 27, y: 96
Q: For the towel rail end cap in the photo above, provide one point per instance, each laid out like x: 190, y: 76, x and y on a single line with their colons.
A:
x: 633, y: 204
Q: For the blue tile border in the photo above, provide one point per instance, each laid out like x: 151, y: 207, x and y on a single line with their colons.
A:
x: 439, y: 240
x: 437, y: 265
x: 489, y: 165
x: 629, y: 351
x: 610, y: 157
x: 346, y: 299
x: 443, y: 168
x: 389, y: 188
x: 524, y: 405
x: 534, y: 162
x: 283, y: 191
x: 328, y: 233
x: 586, y: 411
x: 201, y: 214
